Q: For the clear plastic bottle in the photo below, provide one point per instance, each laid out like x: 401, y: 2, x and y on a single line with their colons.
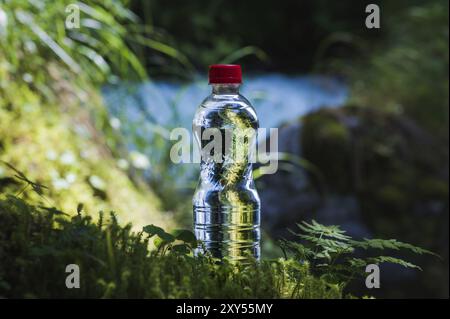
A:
x: 226, y: 204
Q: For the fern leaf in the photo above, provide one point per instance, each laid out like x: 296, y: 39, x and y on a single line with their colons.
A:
x: 389, y: 244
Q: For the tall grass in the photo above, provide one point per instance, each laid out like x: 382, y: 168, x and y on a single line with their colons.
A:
x: 34, y: 35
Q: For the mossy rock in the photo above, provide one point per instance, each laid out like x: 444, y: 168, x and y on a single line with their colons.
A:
x: 323, y: 138
x: 397, y: 170
x: 62, y: 145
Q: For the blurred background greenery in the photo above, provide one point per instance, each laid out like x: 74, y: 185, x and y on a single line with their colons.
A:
x: 79, y: 112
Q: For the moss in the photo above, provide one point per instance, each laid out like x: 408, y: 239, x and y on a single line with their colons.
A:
x: 431, y: 187
x: 324, y: 139
x: 382, y: 157
x: 59, y: 145
x: 393, y: 196
x: 37, y: 243
x: 53, y: 124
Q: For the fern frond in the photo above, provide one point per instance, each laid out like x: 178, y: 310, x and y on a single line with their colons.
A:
x: 329, y: 251
x: 389, y: 244
x: 362, y: 263
x: 321, y: 230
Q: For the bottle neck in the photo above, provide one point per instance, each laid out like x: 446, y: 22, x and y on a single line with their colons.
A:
x: 226, y: 88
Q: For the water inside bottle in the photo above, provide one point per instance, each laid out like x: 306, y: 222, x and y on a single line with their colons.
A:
x: 226, y: 204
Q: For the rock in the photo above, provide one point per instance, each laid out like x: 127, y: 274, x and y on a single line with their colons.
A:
x: 290, y: 197
x: 375, y: 174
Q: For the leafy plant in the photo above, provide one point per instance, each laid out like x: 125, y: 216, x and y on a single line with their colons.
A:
x: 37, y: 242
x: 332, y: 254
x: 167, y: 241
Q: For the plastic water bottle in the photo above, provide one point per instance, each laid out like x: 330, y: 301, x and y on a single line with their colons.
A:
x: 226, y: 204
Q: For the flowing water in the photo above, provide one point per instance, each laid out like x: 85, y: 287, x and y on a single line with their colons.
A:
x: 277, y: 99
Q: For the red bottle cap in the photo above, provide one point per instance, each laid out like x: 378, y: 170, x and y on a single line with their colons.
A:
x: 225, y: 73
